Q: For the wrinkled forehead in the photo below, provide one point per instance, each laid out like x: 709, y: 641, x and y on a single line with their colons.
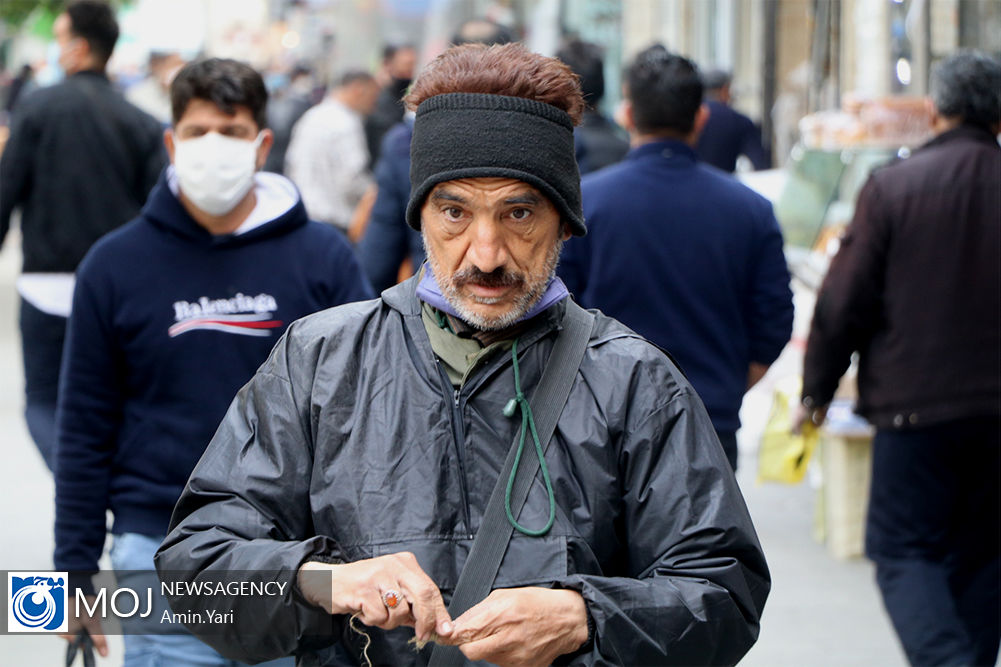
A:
x: 489, y: 190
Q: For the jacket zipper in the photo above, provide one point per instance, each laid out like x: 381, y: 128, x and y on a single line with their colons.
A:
x: 459, y: 438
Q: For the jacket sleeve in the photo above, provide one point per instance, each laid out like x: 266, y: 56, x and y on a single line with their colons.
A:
x: 752, y: 146
x: 770, y: 307
x: 850, y: 302
x: 694, y: 579
x: 219, y: 530
x: 91, y: 398
x: 384, y: 246
x: 16, y: 166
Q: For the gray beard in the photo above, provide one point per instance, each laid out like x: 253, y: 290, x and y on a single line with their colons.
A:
x: 535, y: 287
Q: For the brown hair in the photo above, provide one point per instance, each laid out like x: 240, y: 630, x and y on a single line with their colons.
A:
x: 506, y: 69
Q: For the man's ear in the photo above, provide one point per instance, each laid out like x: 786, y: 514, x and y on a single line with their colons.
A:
x: 931, y: 110
x: 624, y: 115
x: 168, y: 142
x: 267, y: 141
x: 701, y: 117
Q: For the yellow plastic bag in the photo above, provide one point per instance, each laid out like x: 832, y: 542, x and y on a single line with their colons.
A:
x: 782, y: 456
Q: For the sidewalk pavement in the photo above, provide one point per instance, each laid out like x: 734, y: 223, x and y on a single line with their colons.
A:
x: 821, y: 612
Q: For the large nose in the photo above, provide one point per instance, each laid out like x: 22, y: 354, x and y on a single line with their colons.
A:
x: 487, y: 250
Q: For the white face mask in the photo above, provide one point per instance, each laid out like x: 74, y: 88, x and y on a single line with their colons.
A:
x: 216, y: 172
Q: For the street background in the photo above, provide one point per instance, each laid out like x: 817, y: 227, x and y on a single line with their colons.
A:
x: 834, y: 85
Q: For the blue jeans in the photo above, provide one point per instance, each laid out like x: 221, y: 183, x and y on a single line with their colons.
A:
x: 42, y: 337
x: 132, y: 551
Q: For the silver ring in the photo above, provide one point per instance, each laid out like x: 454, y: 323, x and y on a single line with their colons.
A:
x: 392, y: 598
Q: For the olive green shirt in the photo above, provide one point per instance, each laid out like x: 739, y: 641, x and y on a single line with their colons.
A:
x: 460, y: 354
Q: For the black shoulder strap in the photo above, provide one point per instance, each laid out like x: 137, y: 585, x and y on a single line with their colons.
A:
x: 491, y: 541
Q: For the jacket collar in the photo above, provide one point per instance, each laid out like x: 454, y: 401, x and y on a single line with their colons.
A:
x: 676, y: 152
x: 964, y: 132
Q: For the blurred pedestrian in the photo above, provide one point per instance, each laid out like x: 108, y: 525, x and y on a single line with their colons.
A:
x: 284, y: 111
x: 398, y: 63
x: 389, y: 246
x: 152, y: 93
x: 683, y: 254
x: 172, y: 314
x: 915, y: 290
x: 599, y: 141
x: 727, y: 133
x: 79, y: 162
x: 358, y: 463
x: 328, y: 157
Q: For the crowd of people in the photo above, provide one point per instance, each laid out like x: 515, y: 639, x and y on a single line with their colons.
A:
x: 335, y: 335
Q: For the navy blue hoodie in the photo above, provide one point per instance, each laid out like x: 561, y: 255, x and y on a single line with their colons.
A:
x: 168, y: 323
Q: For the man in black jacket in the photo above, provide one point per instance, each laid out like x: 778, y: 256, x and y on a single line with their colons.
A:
x: 80, y: 162
x: 363, y: 452
x: 916, y: 290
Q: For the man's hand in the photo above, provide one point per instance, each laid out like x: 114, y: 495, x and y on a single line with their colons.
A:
x: 522, y: 626
x: 359, y: 587
x: 802, y: 414
x: 92, y: 624
x: 755, y: 372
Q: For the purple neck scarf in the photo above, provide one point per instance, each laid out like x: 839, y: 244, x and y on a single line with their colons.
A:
x: 429, y: 292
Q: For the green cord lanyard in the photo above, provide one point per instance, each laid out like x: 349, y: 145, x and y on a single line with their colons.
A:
x: 527, y: 423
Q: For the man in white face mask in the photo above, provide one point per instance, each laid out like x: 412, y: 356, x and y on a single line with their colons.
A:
x: 172, y: 314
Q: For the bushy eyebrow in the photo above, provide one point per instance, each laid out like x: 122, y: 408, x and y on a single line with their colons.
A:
x: 444, y: 195
x: 528, y: 199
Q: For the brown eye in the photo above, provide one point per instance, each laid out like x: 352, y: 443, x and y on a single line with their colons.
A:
x: 453, y: 213
x: 521, y: 213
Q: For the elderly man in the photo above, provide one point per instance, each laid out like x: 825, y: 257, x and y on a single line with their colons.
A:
x: 916, y: 289
x: 371, y: 446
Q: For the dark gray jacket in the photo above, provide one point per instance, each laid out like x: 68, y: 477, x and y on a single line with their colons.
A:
x: 351, y: 443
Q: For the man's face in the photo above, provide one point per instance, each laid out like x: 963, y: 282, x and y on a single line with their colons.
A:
x: 70, y: 46
x: 401, y: 65
x: 202, y: 117
x: 365, y: 94
x: 492, y: 244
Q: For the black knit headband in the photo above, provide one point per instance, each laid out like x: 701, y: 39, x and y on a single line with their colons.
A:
x: 473, y: 135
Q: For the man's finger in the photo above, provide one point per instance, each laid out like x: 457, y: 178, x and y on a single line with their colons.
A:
x: 478, y: 622
x: 100, y: 644
x: 93, y: 626
x: 492, y: 648
x: 426, y: 604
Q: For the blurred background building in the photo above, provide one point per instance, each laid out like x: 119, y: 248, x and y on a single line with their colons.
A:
x: 802, y: 55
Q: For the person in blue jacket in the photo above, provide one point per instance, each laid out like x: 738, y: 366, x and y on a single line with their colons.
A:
x: 681, y: 252
x: 727, y: 134
x: 172, y: 314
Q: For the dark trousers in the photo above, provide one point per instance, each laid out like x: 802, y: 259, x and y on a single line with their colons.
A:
x: 42, y: 337
x: 934, y: 533
x: 729, y: 441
